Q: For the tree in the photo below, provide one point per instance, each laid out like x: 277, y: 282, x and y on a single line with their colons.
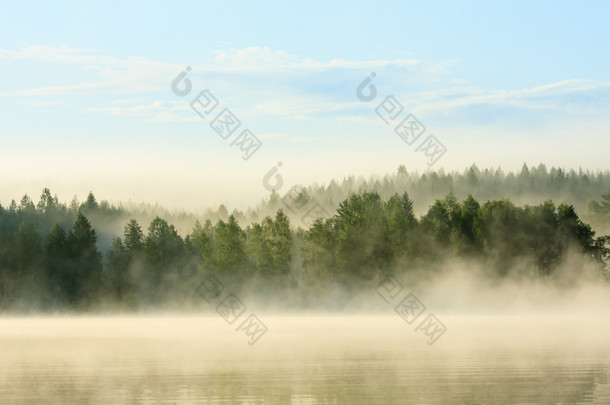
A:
x: 359, y: 235
x: 134, y: 237
x: 605, y: 204
x: 318, y: 252
x: 497, y: 228
x: 74, y: 206
x: 258, y: 247
x: 572, y: 229
x: 59, y: 277
x: 230, y: 241
x: 164, y: 251
x: 539, y: 230
x: 441, y: 220
x: 270, y: 244
x: 400, y: 225
x: 281, y: 243
x: 91, y: 203
x: 47, y: 203
x: 464, y: 237
x: 26, y: 205
x: 116, y: 275
x: 20, y: 256
x: 202, y: 240
x: 85, y: 260
x: 601, y: 209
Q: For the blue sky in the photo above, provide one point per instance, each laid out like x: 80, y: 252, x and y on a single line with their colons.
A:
x: 86, y: 101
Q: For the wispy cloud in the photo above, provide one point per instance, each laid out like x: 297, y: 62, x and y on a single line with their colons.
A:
x: 112, y: 75
x: 159, y: 111
x: 40, y: 103
x: 289, y: 86
x: 263, y: 59
x: 561, y: 96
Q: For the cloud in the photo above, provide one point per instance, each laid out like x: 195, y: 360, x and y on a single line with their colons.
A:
x: 59, y: 54
x: 295, y: 87
x: 126, y: 100
x: 40, y: 103
x: 77, y: 89
x: 303, y: 106
x: 99, y: 74
x: 563, y: 96
x: 263, y: 59
x: 158, y: 111
x: 271, y: 135
x: 112, y: 75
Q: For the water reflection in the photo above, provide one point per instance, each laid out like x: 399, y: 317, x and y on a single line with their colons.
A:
x: 303, y: 360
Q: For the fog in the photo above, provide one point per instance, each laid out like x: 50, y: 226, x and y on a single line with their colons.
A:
x: 404, y: 288
x: 304, y: 360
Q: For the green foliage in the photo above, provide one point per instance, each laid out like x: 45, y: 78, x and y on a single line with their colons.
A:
x: 50, y: 254
x: 85, y: 262
x: 21, y: 254
x: 363, y: 238
x: 369, y: 234
x: 202, y: 241
x: 73, y: 264
x: 230, y: 247
x: 134, y: 237
x: 116, y: 274
x: 269, y: 246
x: 600, y: 210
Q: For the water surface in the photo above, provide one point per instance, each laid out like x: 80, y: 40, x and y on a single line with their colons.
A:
x: 304, y: 360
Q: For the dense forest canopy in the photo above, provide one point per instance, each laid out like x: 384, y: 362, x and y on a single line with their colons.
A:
x: 51, y: 256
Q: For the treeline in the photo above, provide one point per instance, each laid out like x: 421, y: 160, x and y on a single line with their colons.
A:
x: 366, y: 238
x: 530, y: 185
x: 369, y: 237
x: 64, y: 269
x: 142, y: 269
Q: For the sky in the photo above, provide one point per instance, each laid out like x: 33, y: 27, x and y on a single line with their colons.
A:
x: 88, y: 99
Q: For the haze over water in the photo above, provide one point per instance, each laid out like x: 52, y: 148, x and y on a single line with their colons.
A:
x: 408, y: 202
x: 305, y: 360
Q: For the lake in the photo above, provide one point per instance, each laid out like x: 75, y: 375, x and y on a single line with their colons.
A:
x: 305, y: 359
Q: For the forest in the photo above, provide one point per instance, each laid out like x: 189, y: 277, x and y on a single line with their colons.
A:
x: 51, y: 258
